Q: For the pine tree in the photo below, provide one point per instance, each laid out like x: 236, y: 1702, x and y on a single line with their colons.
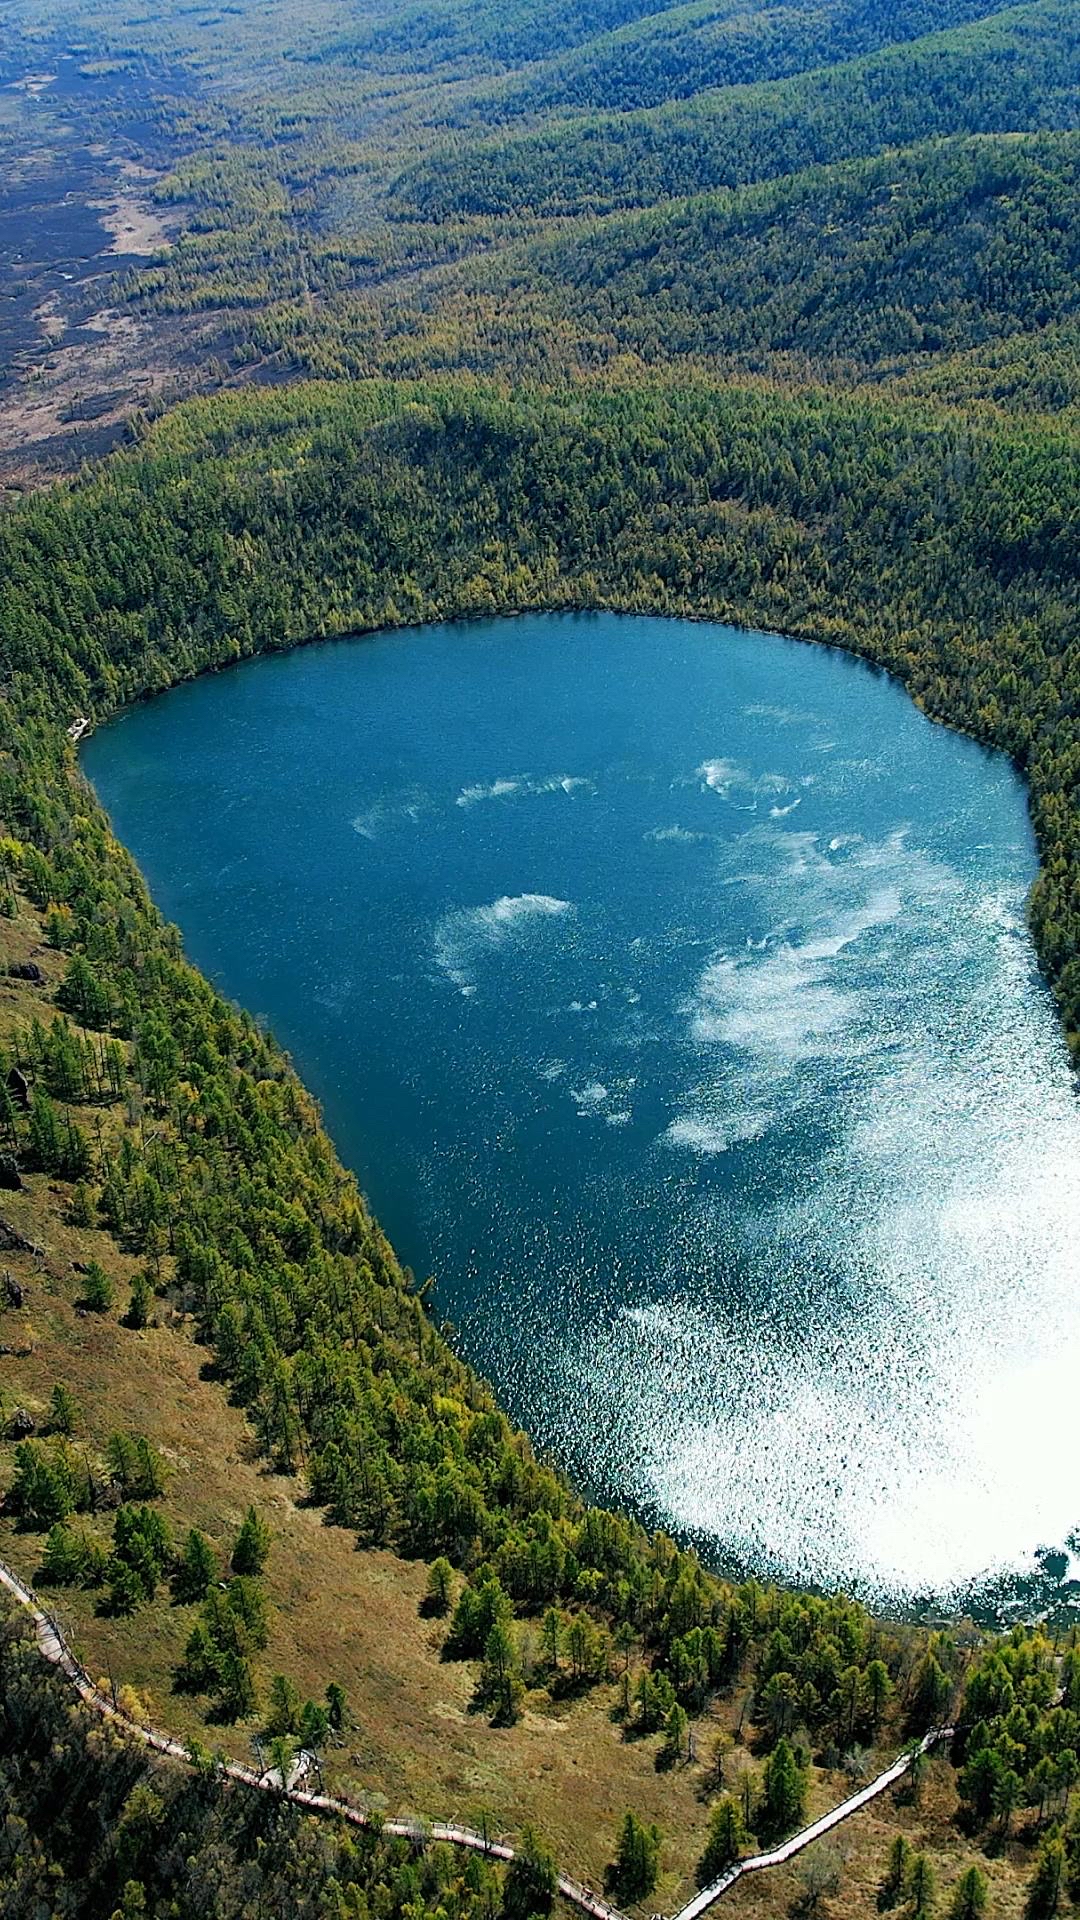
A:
x: 784, y: 1789
x: 648, y: 1701
x: 283, y: 1710
x: 721, y: 1748
x: 970, y: 1896
x: 282, y: 1758
x: 637, y: 1859
x: 244, y: 1606
x: 676, y: 1727
x: 724, y: 1841
x: 879, y: 1688
x: 64, y: 1415
x: 83, y: 994
x: 65, y: 1560
x: 81, y: 1210
x: 44, y: 1134
x: 252, y: 1549
x: 1008, y: 1791
x: 126, y: 1589
x: 132, y: 1902
x: 43, y: 1490
x: 314, y: 1726
x: 142, y: 1297
x: 439, y: 1586
x: 895, y: 1875
x: 234, y: 1686
x: 199, y: 1670
x: 197, y: 1568
x: 930, y: 1699
x: 920, y: 1887
x: 500, y: 1679
x: 1047, y: 1881
x: 97, y: 1289
x: 149, y: 1470
x: 552, y: 1629
x: 57, y: 927
x: 141, y: 1541
x: 530, y: 1884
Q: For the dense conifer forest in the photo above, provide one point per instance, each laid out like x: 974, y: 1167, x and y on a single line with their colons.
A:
x: 765, y: 314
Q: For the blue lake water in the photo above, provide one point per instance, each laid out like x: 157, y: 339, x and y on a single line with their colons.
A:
x: 668, y: 989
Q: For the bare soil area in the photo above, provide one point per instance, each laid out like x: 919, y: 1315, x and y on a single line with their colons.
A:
x: 75, y: 365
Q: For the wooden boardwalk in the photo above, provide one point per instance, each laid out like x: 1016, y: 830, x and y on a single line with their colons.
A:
x: 815, y: 1831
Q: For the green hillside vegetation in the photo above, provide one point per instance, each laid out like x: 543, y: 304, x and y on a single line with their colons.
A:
x: 681, y: 50
x: 947, y: 246
x: 1039, y: 374
x: 916, y: 257
x: 306, y: 246
x: 589, y: 50
x: 1014, y: 71
x: 429, y: 38
x: 767, y: 314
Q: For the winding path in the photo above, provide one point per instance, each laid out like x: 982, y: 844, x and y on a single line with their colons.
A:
x: 53, y: 1645
x: 807, y: 1835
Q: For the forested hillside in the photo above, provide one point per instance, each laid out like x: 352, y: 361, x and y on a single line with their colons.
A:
x: 765, y: 313
x: 419, y: 191
x: 935, y: 249
x: 677, y: 51
x: 247, y: 522
x: 1012, y: 71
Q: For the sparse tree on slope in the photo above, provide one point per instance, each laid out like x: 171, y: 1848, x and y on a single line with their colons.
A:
x: 252, y: 1549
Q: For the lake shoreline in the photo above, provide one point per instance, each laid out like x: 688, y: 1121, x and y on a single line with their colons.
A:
x: 575, y: 615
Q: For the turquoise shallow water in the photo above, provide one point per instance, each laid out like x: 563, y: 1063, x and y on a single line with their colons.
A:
x: 669, y: 991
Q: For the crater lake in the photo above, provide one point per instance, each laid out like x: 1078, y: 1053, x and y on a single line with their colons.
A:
x: 668, y: 989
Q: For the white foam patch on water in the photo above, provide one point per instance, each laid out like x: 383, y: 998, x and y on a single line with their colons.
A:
x: 680, y: 836
x: 567, y: 783
x: 743, y: 790
x: 388, y: 810
x: 589, y: 1099
x: 498, y: 790
x: 871, y: 1374
x: 783, y: 716
x: 791, y: 1002
x: 721, y: 775
x: 505, y: 788
x: 462, y: 938
x: 706, y: 1133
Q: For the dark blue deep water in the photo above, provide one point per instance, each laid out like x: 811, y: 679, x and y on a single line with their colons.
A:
x: 669, y: 991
